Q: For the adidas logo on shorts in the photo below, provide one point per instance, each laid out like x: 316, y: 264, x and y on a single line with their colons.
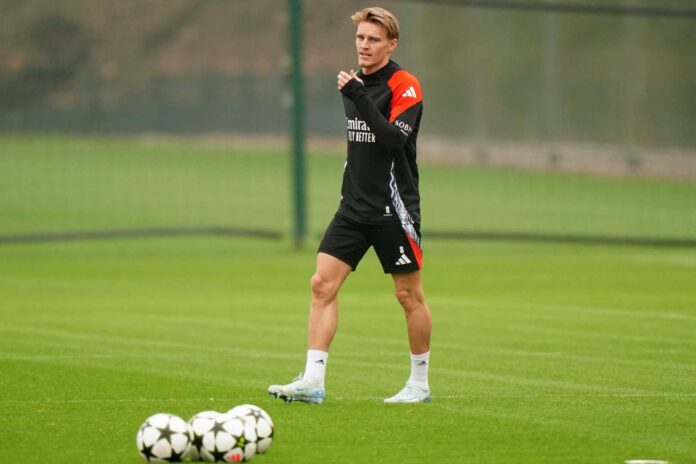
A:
x: 403, y: 260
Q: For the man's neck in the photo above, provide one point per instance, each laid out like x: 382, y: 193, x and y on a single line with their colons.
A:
x: 375, y: 68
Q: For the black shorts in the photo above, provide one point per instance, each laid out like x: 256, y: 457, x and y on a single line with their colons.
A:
x: 398, y: 248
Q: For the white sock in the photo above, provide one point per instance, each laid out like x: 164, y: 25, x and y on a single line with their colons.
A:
x: 315, y: 367
x: 419, y: 370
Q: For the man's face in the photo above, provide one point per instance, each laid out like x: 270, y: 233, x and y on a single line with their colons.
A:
x: 373, y: 46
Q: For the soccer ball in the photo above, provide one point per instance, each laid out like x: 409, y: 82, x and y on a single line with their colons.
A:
x: 264, y: 424
x: 199, y: 425
x: 163, y: 438
x: 230, y: 439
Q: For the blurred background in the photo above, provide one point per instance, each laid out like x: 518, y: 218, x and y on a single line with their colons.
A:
x: 174, y: 117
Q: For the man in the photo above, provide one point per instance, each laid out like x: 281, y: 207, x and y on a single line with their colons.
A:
x: 380, y: 207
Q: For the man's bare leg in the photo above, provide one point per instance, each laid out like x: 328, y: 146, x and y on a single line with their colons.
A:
x: 323, y: 314
x: 323, y: 319
x: 409, y: 292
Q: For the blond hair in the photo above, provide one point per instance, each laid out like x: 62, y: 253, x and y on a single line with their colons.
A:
x: 378, y: 15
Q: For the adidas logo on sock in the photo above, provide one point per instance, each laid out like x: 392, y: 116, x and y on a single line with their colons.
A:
x: 403, y: 260
x: 319, y: 361
x: 423, y: 363
x: 411, y: 92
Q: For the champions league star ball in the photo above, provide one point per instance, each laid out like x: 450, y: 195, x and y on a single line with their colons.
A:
x: 262, y: 421
x: 199, y: 425
x: 231, y: 439
x: 163, y: 438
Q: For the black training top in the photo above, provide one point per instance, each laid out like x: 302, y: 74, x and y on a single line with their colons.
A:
x: 380, y: 179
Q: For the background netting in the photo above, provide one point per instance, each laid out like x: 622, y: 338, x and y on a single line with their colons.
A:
x: 203, y: 85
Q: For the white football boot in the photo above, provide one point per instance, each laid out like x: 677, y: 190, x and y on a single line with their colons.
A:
x: 298, y: 390
x: 410, y: 394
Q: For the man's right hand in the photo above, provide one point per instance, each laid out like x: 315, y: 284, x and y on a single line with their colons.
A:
x: 344, y: 77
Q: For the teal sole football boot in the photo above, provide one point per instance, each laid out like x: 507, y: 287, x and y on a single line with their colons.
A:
x: 298, y: 390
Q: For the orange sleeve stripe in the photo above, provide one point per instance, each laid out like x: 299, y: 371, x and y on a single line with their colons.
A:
x: 406, y: 92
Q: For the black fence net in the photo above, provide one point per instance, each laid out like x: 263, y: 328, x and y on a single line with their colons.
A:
x: 203, y: 86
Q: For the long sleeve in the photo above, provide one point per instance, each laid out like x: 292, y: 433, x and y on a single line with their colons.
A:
x: 380, y: 176
x: 406, y: 103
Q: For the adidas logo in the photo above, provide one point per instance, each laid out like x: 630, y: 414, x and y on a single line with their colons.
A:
x: 411, y: 92
x: 422, y: 363
x: 319, y: 361
x: 403, y: 260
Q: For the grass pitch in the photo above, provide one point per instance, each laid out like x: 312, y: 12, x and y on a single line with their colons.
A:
x: 541, y: 353
x: 55, y: 184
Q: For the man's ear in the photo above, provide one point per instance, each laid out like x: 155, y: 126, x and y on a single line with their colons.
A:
x: 392, y: 44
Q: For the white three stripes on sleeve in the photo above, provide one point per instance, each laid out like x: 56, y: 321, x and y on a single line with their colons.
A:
x: 411, y: 92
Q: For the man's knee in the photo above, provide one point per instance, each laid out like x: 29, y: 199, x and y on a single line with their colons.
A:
x: 410, y: 298
x: 322, y: 288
